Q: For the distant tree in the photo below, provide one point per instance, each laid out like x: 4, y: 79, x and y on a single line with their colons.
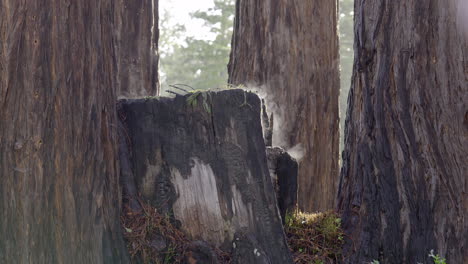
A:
x: 346, y: 15
x: 198, y: 62
x: 289, y: 49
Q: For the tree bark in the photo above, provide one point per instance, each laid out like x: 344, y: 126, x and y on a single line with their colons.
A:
x: 136, y: 24
x: 59, y: 195
x: 289, y: 51
x: 403, y: 187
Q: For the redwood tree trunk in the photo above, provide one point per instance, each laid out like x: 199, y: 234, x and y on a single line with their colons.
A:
x: 289, y: 50
x: 59, y: 195
x: 403, y: 187
x: 136, y: 24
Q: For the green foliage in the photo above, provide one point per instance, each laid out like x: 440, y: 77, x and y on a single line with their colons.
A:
x: 150, y: 97
x: 314, y: 238
x: 201, y: 63
x: 192, y: 100
x: 170, y: 255
x: 436, y: 258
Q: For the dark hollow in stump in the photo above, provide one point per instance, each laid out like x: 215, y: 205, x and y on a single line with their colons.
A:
x: 201, y: 158
x: 283, y: 171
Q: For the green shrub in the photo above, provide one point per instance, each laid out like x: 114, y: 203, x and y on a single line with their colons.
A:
x: 314, y: 238
x: 436, y: 258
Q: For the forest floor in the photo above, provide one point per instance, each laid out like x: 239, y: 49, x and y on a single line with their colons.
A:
x: 154, y: 238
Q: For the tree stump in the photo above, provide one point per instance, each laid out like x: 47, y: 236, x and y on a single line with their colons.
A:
x: 201, y: 158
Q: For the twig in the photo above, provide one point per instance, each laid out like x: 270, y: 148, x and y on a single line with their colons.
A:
x: 181, y: 84
x: 178, y: 88
x: 172, y: 92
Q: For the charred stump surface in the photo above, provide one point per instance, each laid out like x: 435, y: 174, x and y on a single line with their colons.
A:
x: 201, y: 158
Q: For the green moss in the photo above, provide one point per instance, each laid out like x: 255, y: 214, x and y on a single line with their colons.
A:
x: 315, y: 238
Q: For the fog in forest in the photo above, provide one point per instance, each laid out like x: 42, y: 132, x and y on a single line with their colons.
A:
x: 126, y: 138
x: 195, y: 45
x: 463, y: 15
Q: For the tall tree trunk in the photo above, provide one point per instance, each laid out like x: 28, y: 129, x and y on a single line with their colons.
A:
x: 136, y: 24
x: 403, y: 187
x: 289, y: 49
x: 59, y: 195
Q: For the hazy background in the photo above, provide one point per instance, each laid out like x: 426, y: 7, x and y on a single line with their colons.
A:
x: 195, y: 43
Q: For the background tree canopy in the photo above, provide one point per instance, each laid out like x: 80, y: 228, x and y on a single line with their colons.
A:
x: 198, y: 62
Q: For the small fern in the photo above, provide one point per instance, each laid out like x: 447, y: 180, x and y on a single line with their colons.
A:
x: 192, y: 100
x: 437, y: 259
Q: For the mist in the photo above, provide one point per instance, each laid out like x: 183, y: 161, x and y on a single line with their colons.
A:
x: 462, y: 15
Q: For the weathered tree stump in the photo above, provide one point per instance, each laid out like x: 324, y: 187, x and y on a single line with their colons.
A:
x: 201, y: 158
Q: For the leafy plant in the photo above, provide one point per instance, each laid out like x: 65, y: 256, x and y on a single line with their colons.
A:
x: 192, y: 100
x: 170, y: 255
x: 314, y: 238
x: 436, y: 258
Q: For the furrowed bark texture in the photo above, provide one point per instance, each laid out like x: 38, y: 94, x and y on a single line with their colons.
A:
x: 289, y: 51
x: 403, y: 187
x: 59, y: 197
x: 137, y: 31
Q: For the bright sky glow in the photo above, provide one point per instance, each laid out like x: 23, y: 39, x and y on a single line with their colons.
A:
x: 180, y: 10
